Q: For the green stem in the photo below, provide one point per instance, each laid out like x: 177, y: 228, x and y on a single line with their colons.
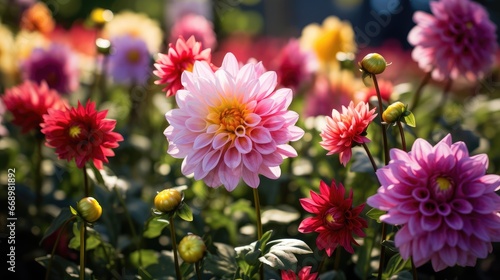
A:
x: 174, y: 249
x: 259, y: 224
x: 38, y: 171
x: 198, y: 272
x: 130, y: 224
x: 336, y: 262
x: 402, y: 133
x: 49, y: 265
x: 413, y: 269
x: 374, y: 165
x: 83, y: 229
x: 257, y: 212
x: 85, y: 182
x: 418, y: 92
x: 386, y: 161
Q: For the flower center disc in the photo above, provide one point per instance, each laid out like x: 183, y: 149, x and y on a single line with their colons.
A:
x: 442, y: 188
x: 334, y: 218
x: 133, y: 56
x: 74, y: 131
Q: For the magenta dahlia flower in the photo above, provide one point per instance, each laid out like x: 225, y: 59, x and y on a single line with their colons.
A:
x: 458, y: 39
x: 304, y: 274
x: 294, y: 66
x: 334, y: 218
x: 231, y: 124
x: 444, y: 202
x: 57, y: 66
x: 346, y: 130
x: 179, y: 58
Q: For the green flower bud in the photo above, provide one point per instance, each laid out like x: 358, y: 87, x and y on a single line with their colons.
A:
x: 394, y: 112
x: 89, y: 209
x: 373, y: 63
x: 192, y: 248
x: 167, y: 200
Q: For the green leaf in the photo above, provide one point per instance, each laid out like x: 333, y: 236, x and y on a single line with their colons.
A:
x: 143, y: 258
x: 162, y: 270
x: 410, y: 120
x: 395, y: 265
x: 155, y: 226
x: 92, y: 241
x: 389, y: 244
x: 223, y: 264
x: 61, y: 268
x: 281, y: 254
x: 185, y: 212
x: 264, y: 239
x: 63, y: 216
x: 375, y: 214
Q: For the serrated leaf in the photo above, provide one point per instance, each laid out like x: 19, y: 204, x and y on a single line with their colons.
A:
x: 281, y: 253
x: 185, y: 212
x: 375, y: 214
x: 410, y: 120
x: 155, y: 226
x: 63, y: 216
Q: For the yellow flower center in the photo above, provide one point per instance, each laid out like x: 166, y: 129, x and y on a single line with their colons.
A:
x: 74, y: 131
x: 443, y: 183
x: 189, y: 67
x: 133, y: 56
x: 329, y: 218
x: 469, y: 25
x: 230, y: 116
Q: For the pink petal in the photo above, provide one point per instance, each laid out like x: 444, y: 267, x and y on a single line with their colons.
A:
x: 232, y: 157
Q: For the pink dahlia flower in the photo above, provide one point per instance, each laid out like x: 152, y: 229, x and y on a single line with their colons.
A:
x: 231, y: 124
x: 334, y: 218
x: 304, y: 274
x: 194, y: 25
x: 444, y: 202
x: 28, y: 103
x: 179, y: 58
x: 346, y: 130
x: 457, y: 39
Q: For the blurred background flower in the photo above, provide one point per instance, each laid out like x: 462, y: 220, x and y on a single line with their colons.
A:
x: 129, y: 62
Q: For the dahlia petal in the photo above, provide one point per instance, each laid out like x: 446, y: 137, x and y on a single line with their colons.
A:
x: 220, y: 140
x: 202, y: 140
x: 491, y: 182
x: 286, y: 150
x: 266, y: 148
x: 251, y: 178
x: 252, y: 120
x: 243, y: 144
x: 430, y: 223
x: 232, y: 157
x: 394, y: 218
x: 454, y: 221
x: 229, y: 177
x: 267, y: 82
x: 202, y: 69
x: 309, y: 205
x: 260, y: 135
x: 271, y: 172
x: 462, y: 206
x: 252, y: 161
x: 230, y: 64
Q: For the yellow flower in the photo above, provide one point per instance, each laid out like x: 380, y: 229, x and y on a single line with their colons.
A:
x: 136, y: 25
x: 328, y: 39
x: 7, y: 62
x: 27, y: 41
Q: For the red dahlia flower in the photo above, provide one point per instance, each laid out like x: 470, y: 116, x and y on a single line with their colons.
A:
x: 335, y: 219
x: 81, y: 133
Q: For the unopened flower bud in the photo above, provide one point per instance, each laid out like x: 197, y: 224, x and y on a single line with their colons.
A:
x: 373, y: 63
x: 89, y: 209
x: 103, y: 46
x: 394, y: 112
x: 167, y: 200
x: 192, y: 248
